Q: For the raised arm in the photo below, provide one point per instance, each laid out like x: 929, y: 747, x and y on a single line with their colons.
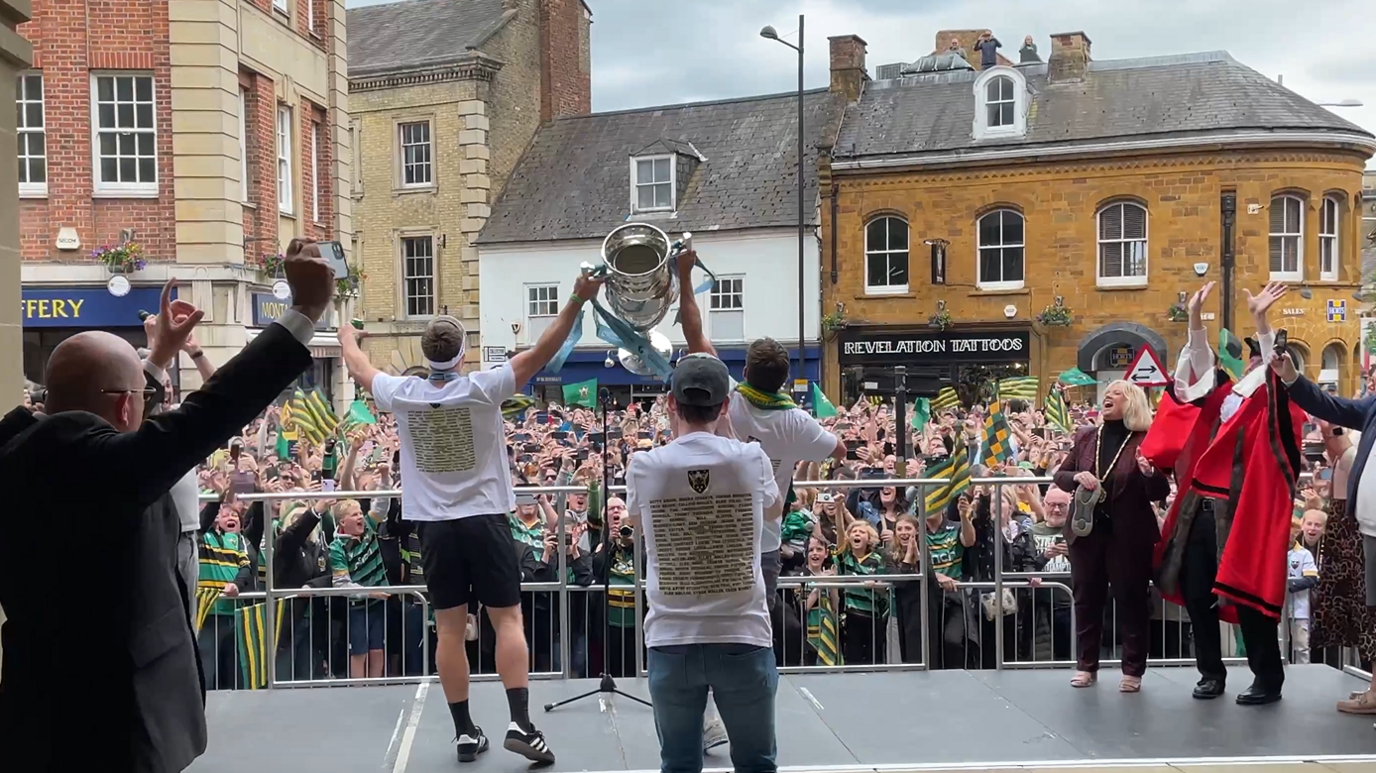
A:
x: 142, y: 465
x: 689, y: 315
x: 529, y: 362
x: 1194, y: 370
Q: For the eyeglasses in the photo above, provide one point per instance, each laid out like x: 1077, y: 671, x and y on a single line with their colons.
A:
x: 146, y: 392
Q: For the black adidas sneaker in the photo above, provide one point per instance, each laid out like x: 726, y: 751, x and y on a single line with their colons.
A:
x: 470, y: 746
x: 530, y: 745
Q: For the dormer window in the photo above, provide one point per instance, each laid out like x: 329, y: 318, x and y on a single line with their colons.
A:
x: 652, y: 184
x: 1000, y: 104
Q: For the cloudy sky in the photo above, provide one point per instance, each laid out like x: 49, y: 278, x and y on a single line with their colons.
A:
x: 651, y: 52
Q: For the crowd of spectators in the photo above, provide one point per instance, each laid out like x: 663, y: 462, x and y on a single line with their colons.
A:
x: 366, y: 545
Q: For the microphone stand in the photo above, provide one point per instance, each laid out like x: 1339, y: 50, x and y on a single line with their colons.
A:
x: 607, y: 685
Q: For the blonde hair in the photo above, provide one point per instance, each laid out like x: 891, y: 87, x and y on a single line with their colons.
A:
x: 871, y: 536
x: 1137, y: 411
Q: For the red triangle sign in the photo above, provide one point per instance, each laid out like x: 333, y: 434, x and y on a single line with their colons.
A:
x: 1146, y: 370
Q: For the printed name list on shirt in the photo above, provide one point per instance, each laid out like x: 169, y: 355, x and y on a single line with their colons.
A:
x: 442, y: 439
x: 705, y: 545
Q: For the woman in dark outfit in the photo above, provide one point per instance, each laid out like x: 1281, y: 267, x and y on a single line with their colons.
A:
x: 1112, y: 531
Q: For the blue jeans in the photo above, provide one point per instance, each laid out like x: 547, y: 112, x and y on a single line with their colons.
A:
x: 743, y: 680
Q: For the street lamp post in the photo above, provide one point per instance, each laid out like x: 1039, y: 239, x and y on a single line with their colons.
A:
x: 769, y: 33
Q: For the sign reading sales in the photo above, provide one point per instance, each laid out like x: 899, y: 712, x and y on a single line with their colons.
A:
x: 938, y: 347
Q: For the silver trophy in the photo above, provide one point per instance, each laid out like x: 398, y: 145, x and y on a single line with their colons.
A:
x: 641, y: 287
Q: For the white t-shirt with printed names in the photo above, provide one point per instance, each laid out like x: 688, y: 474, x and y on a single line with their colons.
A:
x: 787, y: 437
x: 701, y: 502
x: 453, y: 443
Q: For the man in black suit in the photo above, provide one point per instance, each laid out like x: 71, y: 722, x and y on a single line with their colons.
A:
x: 100, y: 669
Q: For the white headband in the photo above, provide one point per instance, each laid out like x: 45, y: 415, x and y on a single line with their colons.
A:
x: 447, y: 364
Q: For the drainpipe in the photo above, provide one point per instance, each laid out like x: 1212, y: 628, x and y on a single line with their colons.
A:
x: 1229, y: 207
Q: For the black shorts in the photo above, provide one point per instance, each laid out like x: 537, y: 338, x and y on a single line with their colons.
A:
x: 470, y: 559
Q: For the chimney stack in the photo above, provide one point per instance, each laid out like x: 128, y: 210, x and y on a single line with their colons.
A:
x: 565, y: 61
x: 1069, y: 57
x: 848, y: 74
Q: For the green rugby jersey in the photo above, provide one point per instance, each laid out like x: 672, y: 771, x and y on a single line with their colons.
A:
x: 358, y: 560
x: 945, y: 550
x: 222, y: 555
x: 534, y: 536
x: 859, y: 599
x: 621, y: 603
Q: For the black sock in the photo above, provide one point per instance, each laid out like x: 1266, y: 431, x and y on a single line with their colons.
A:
x: 463, y: 724
x: 518, y: 698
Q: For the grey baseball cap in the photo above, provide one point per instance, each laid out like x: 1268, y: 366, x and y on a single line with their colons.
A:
x: 700, y: 380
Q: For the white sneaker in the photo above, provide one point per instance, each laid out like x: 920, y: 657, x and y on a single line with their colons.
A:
x: 471, y: 634
x: 713, y: 734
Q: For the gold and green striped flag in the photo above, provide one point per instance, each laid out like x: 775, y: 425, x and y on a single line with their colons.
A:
x: 1057, y: 412
x: 298, y: 418
x: 824, y: 639
x: 512, y: 406
x: 250, y: 625
x: 1018, y: 388
x: 205, y: 601
x: 956, y: 468
x: 946, y: 400
x: 321, y: 411
x: 998, y: 437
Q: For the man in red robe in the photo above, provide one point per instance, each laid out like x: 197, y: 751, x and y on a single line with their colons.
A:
x: 1223, y: 548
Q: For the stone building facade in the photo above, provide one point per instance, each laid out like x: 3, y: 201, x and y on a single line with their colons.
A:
x: 968, y: 216
x: 209, y: 132
x: 445, y: 96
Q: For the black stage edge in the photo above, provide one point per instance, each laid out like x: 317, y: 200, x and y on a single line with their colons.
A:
x: 836, y: 722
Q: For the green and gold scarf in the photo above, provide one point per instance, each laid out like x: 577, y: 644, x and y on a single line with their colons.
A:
x: 769, y: 401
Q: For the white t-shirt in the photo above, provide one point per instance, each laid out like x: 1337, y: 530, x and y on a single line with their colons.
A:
x: 787, y: 437
x: 701, y: 502
x: 453, y: 443
x: 1301, y: 565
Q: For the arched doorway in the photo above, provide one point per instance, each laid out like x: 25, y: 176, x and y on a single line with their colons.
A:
x: 1332, y: 364
x: 1108, y: 352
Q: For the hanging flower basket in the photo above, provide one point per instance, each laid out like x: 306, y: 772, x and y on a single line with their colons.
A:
x: 348, y: 286
x: 940, y: 320
x: 1178, y: 313
x: 271, y: 265
x: 833, y: 321
x: 124, y: 259
x: 1055, y: 316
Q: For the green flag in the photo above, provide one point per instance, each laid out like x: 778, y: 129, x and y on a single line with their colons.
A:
x: 821, y: 406
x: 1233, y: 365
x: 922, y: 413
x: 583, y: 393
x: 512, y: 406
x: 1076, y: 377
x: 250, y: 632
x: 359, y: 414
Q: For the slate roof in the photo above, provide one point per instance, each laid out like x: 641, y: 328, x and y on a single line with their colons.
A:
x: 573, y: 182
x: 418, y: 33
x: 1125, y: 98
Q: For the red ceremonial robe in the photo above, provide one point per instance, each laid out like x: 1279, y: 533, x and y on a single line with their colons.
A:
x: 1259, y: 444
x: 1176, y: 440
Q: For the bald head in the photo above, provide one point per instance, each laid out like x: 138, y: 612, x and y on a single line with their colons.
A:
x: 97, y: 372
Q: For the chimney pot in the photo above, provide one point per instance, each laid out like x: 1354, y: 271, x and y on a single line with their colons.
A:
x: 1069, y: 57
x: 848, y: 73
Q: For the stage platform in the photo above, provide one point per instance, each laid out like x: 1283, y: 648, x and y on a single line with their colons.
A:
x: 835, y: 723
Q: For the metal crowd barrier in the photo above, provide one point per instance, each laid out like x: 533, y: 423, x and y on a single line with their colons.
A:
x: 569, y: 653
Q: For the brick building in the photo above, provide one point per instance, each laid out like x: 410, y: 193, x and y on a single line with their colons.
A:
x: 445, y: 95
x: 965, y: 210
x: 208, y: 132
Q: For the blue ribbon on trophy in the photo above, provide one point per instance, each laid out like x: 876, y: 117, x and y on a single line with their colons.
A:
x: 640, y: 264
